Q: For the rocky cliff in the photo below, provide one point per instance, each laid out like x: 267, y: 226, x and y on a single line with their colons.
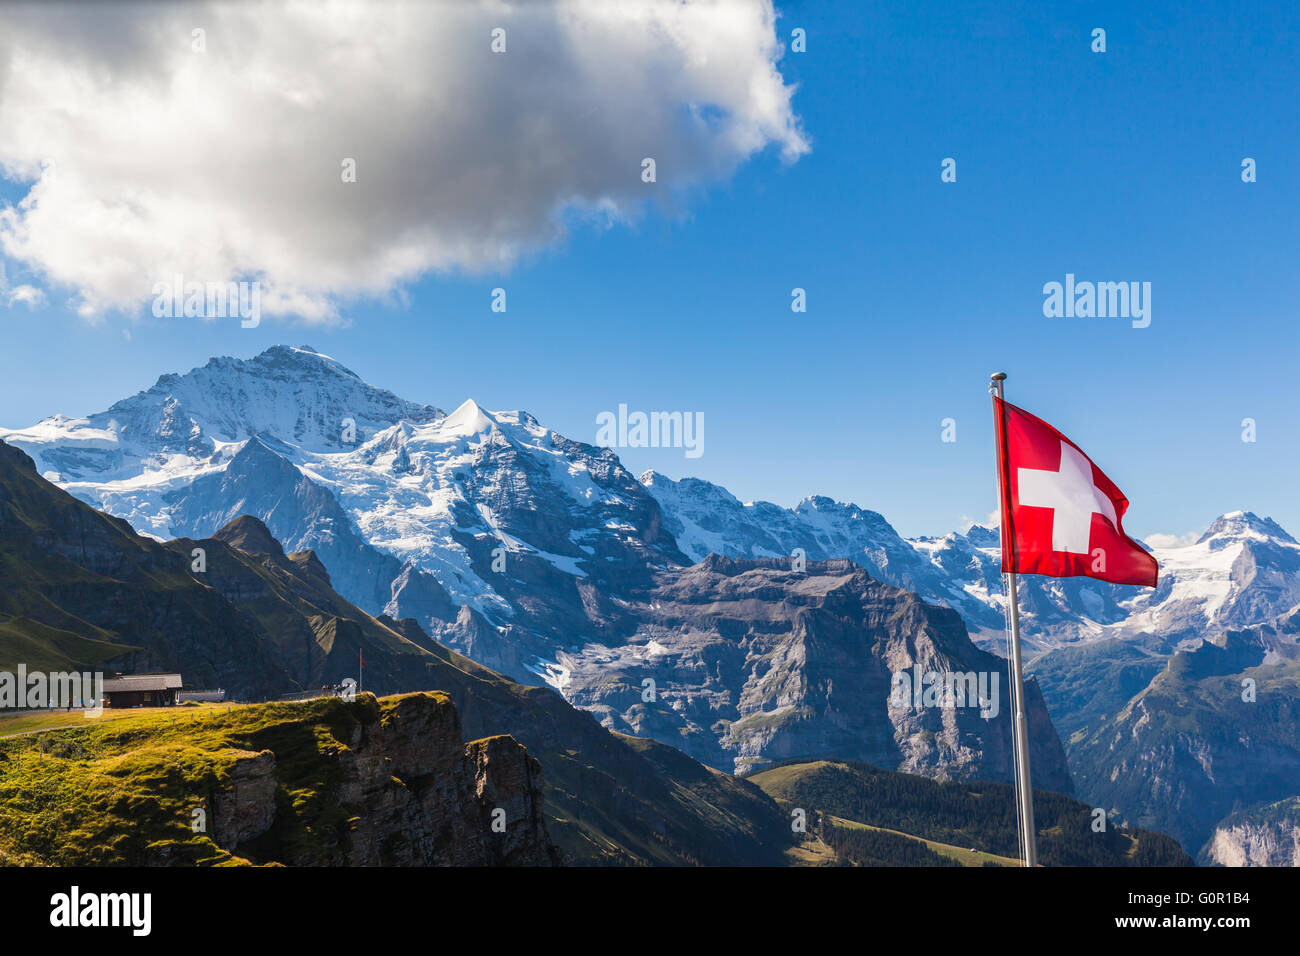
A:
x: 373, y: 782
x: 418, y: 794
x: 1261, y: 836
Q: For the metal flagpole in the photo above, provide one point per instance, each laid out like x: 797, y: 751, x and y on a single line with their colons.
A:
x: 1024, y: 787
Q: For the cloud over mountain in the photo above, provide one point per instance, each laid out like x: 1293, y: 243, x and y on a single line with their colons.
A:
x: 145, y: 158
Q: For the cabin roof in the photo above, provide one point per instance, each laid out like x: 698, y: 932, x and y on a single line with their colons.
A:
x: 129, y: 682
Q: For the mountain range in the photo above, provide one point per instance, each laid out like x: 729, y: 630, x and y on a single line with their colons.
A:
x: 392, y: 781
x: 535, y: 555
x: 408, y: 504
x: 737, y: 632
x: 80, y: 589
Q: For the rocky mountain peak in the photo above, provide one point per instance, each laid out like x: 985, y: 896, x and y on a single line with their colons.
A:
x: 842, y: 511
x: 308, y: 563
x: 294, y: 394
x: 982, y: 537
x: 16, y: 456
x: 1244, y: 524
x: 249, y: 535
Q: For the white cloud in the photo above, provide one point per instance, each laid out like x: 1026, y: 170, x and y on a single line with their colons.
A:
x: 1160, y: 540
x: 27, y: 295
x: 147, y: 159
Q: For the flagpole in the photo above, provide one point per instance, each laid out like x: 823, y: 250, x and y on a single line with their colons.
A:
x: 1020, y: 727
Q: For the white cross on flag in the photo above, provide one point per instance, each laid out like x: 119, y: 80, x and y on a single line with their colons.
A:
x: 1061, y: 515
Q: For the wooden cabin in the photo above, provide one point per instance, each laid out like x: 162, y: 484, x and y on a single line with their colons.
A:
x: 141, y: 690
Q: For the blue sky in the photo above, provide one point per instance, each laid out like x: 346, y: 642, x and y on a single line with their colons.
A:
x: 1122, y: 166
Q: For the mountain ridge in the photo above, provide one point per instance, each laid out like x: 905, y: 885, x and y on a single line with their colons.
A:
x: 76, y: 585
x: 541, y: 556
x: 1242, y: 570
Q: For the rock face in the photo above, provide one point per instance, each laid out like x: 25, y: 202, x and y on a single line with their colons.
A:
x: 245, y: 807
x: 742, y: 663
x: 1262, y: 836
x: 415, y: 792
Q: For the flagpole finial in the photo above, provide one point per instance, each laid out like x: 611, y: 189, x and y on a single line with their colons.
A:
x: 999, y: 376
x: 995, y: 383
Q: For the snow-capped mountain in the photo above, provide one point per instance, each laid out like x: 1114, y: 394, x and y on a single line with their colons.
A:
x: 414, y: 511
x: 125, y: 459
x: 1244, y: 570
x: 538, y: 556
x: 417, y: 513
x: 543, y: 557
x: 707, y: 519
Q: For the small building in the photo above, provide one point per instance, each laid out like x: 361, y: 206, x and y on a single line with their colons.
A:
x: 141, y: 690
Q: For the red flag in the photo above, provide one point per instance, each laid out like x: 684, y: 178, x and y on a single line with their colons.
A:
x: 1061, y: 515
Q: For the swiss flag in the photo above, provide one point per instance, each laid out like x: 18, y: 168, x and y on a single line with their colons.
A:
x: 1061, y: 516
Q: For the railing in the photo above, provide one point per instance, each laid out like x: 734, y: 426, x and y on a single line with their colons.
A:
x: 202, y: 696
x: 310, y: 695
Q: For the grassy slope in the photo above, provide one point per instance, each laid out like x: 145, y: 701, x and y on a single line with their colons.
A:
x: 312, y: 630
x: 27, y: 722
x: 121, y: 791
x: 963, y: 855
x: 44, y: 648
x: 960, y: 815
